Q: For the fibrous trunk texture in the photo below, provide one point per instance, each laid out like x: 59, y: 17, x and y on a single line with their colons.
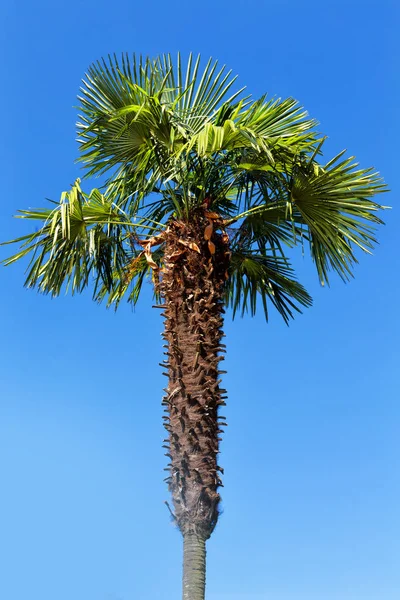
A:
x: 194, y: 567
x: 192, y: 287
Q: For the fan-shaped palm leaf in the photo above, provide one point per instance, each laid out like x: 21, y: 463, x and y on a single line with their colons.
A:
x: 83, y: 236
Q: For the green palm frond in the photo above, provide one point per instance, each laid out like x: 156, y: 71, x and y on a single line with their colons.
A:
x: 264, y: 278
x: 139, y: 112
x: 266, y: 228
x: 281, y: 122
x: 196, y: 95
x: 267, y: 128
x: 82, y: 237
x: 334, y: 203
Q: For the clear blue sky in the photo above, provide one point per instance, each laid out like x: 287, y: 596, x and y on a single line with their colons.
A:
x: 311, y: 453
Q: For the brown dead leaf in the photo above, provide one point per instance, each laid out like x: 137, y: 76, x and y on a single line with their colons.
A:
x: 211, y: 247
x: 194, y: 246
x: 208, y: 231
x: 191, y: 245
x: 149, y: 258
x: 153, y: 241
x: 177, y: 255
x: 151, y: 262
x: 212, y: 215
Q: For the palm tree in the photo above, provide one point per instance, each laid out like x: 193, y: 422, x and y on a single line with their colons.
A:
x: 207, y: 192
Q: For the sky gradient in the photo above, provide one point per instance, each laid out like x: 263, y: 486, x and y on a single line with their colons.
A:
x: 311, y: 454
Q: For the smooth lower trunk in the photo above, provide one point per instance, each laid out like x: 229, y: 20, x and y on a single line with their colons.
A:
x: 194, y: 567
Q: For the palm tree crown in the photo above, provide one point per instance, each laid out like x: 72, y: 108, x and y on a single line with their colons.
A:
x: 175, y: 139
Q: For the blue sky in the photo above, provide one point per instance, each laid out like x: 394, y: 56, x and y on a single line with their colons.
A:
x: 311, y: 456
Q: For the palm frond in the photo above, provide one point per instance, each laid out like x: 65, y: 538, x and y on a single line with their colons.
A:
x: 333, y: 202
x: 82, y: 237
x: 264, y: 278
x: 266, y: 227
x: 282, y: 122
x: 137, y: 112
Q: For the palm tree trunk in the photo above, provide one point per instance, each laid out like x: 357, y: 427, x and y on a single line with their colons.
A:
x: 193, y: 287
x: 194, y: 567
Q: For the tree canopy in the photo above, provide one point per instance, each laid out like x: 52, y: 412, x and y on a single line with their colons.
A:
x: 166, y: 138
